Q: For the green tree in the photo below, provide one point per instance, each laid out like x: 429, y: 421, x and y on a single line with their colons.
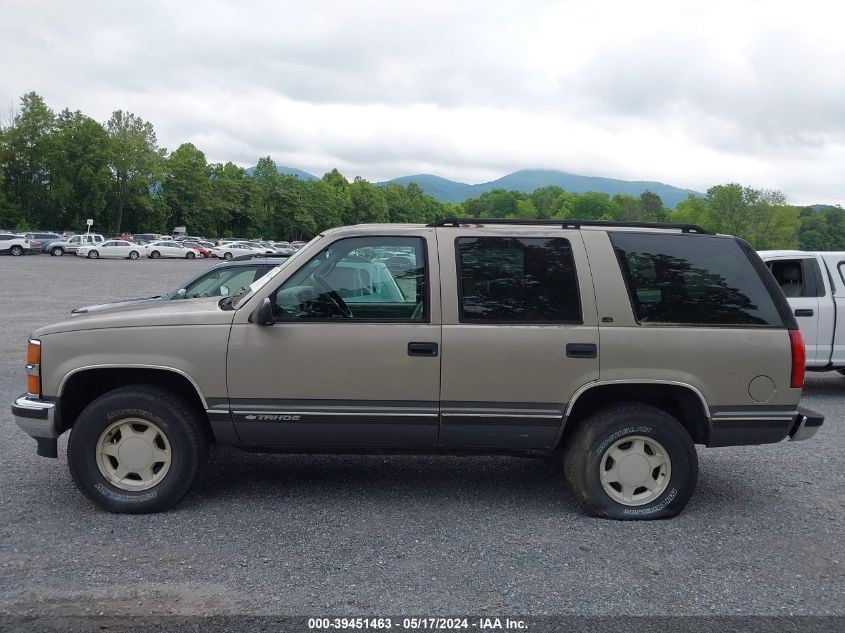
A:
x: 80, y: 180
x: 186, y: 189
x: 368, y: 203
x: 134, y: 158
x: 24, y: 151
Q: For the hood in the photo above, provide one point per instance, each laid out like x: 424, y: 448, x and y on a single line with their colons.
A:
x: 203, y: 311
x: 117, y: 304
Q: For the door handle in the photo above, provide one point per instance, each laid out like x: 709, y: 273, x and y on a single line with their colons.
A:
x: 422, y: 349
x: 581, y: 350
x: 804, y: 312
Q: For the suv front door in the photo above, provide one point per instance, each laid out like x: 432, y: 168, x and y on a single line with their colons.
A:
x: 353, y: 358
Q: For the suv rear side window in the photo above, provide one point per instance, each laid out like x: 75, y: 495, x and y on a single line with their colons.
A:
x: 517, y: 280
x: 692, y: 280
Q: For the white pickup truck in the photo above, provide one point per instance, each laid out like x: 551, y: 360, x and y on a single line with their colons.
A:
x: 814, y: 285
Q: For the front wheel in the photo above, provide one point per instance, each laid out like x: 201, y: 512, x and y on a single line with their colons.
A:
x: 155, y: 255
x: 133, y: 255
x: 137, y: 449
x: 93, y: 255
x: 227, y: 256
x: 190, y: 255
x: 631, y: 461
x: 57, y: 252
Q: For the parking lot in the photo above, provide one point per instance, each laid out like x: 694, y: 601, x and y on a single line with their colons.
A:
x: 315, y: 535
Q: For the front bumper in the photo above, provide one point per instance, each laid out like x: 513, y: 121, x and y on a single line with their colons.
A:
x: 806, y: 425
x: 40, y: 419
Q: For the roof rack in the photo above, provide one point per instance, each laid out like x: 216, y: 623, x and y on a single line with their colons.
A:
x: 573, y: 224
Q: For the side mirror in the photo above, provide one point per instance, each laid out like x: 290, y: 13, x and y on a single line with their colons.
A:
x: 181, y: 294
x: 264, y: 314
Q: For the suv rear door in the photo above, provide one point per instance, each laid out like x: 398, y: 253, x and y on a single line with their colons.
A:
x: 322, y: 376
x: 520, y: 334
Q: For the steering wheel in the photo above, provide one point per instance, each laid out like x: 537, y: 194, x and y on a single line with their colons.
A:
x: 332, y: 294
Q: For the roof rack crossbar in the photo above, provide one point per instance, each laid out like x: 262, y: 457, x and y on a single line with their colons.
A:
x: 573, y: 224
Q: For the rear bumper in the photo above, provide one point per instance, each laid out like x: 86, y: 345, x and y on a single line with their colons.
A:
x: 807, y: 423
x: 749, y: 427
x: 40, y: 419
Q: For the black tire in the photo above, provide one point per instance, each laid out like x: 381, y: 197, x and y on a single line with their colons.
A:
x: 93, y: 255
x: 16, y: 251
x: 133, y: 255
x: 180, y: 424
x: 155, y: 255
x: 598, y: 432
x: 190, y: 255
x: 227, y: 256
x: 57, y: 252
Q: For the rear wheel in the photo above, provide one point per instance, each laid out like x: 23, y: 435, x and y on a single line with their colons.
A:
x: 190, y: 255
x: 133, y: 254
x: 137, y: 449
x: 93, y: 255
x: 631, y: 461
x: 155, y: 255
x: 58, y: 251
x: 16, y: 251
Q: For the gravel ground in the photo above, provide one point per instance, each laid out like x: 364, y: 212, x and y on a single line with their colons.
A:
x: 313, y: 535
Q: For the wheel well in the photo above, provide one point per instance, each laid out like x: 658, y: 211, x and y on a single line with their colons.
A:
x: 85, y: 386
x: 682, y: 403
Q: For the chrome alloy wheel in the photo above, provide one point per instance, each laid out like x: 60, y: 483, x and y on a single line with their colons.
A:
x: 133, y: 454
x: 635, y: 470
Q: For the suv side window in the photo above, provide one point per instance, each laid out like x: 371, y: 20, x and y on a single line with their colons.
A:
x: 360, y: 278
x: 517, y: 280
x: 692, y: 280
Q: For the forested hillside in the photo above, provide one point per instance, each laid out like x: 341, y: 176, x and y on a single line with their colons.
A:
x: 59, y: 168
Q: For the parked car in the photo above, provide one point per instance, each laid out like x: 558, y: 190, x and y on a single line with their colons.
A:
x: 144, y: 238
x: 168, y: 248
x: 814, y: 285
x: 617, y: 345
x: 111, y: 249
x: 221, y: 280
x: 73, y: 243
x: 39, y: 241
x: 235, y: 249
x: 199, y: 247
x: 12, y: 244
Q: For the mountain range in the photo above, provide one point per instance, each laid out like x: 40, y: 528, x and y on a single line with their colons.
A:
x: 527, y: 181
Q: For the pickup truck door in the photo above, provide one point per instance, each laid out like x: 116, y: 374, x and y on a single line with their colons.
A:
x: 520, y: 334
x: 802, y: 284
x: 353, y: 358
x: 832, y: 323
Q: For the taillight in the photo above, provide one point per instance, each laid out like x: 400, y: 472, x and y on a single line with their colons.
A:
x: 799, y: 359
x: 33, y: 368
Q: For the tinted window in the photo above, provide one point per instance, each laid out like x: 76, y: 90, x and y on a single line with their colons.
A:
x: 368, y: 279
x: 517, y: 280
x: 692, y: 280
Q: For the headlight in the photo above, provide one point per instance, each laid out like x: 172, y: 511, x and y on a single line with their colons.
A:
x: 33, y: 368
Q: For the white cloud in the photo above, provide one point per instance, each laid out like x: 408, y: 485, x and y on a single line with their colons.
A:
x: 688, y: 93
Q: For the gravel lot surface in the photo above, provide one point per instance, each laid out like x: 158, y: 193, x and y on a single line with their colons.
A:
x: 310, y: 535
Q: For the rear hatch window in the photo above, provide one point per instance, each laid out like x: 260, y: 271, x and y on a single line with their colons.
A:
x: 693, y: 280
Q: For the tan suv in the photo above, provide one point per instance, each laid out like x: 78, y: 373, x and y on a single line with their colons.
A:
x: 619, y: 346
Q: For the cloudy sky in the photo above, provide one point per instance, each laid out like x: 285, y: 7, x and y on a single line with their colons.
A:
x: 688, y: 93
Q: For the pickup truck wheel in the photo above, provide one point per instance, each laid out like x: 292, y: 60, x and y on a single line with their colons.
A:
x: 631, y: 461
x: 57, y: 252
x: 136, y: 450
